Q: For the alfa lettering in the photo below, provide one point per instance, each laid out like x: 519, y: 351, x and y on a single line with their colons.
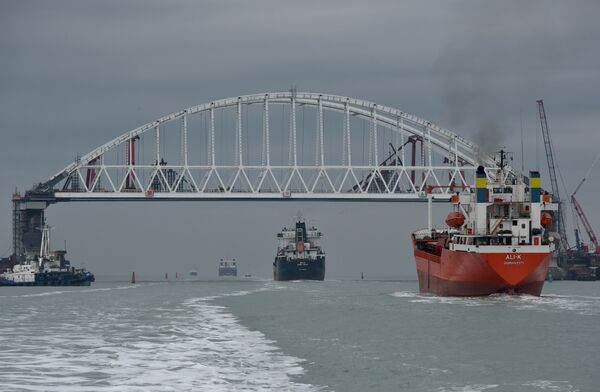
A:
x: 513, y: 257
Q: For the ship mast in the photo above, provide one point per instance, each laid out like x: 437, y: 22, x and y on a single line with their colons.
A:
x: 45, y: 245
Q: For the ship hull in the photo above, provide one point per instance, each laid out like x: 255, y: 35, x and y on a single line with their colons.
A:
x: 54, y: 279
x: 298, y: 269
x: 231, y: 272
x: 455, y: 273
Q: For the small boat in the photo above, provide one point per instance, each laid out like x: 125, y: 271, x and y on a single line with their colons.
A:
x: 48, y: 269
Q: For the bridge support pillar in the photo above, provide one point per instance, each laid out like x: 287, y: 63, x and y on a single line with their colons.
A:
x: 27, y: 221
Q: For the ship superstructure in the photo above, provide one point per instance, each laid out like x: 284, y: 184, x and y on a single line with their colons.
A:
x: 496, y: 241
x: 299, y: 253
x: 49, y: 268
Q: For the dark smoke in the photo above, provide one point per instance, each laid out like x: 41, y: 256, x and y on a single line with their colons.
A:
x: 470, y: 100
x: 490, y: 136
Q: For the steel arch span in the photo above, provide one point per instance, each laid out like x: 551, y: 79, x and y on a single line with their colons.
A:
x: 284, y: 145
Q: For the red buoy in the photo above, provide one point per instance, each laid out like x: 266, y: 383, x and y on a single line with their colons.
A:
x: 455, y: 219
x: 133, y: 277
x: 546, y: 219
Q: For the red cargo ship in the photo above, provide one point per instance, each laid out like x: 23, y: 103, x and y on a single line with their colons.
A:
x: 496, y: 241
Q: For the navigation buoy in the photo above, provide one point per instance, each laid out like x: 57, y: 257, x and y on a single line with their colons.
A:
x: 133, y: 277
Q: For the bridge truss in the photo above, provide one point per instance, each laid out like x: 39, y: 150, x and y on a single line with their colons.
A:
x: 285, y: 145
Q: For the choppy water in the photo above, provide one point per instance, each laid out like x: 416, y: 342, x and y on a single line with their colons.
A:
x: 296, y: 336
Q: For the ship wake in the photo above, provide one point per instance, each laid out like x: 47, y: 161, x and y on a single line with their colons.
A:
x: 194, y: 345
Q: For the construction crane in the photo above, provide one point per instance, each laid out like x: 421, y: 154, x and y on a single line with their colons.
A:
x: 587, y: 226
x: 584, y: 221
x: 559, y: 218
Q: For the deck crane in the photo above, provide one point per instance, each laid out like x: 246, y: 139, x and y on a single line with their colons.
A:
x: 559, y: 218
x: 586, y: 224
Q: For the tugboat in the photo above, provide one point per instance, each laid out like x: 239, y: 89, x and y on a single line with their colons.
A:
x: 299, y: 255
x: 228, y: 268
x: 50, y: 269
x: 496, y: 242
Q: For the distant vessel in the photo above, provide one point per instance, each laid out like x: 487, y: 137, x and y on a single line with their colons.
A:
x: 299, y: 254
x: 228, y: 267
x: 193, y: 273
x: 496, y: 243
x: 50, y: 269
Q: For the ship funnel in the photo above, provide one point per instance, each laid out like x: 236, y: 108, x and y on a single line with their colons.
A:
x: 481, y: 185
x: 535, y: 183
x: 481, y: 195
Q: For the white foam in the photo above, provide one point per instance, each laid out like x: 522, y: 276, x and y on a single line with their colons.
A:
x: 196, y: 346
x: 75, y: 291
x: 405, y: 294
x: 584, y: 305
x: 429, y: 370
x: 469, y: 388
x: 556, y: 303
x: 550, y: 385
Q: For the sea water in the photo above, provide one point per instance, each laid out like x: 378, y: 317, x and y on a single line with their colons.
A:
x: 260, y: 335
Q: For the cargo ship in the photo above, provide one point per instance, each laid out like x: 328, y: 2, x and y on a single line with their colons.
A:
x: 228, y: 268
x: 496, y: 241
x: 49, y: 269
x: 299, y: 254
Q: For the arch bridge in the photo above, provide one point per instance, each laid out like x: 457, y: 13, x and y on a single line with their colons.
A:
x: 287, y: 145
x: 270, y: 146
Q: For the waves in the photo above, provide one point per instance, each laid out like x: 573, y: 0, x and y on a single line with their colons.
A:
x: 469, y: 388
x: 536, y: 385
x: 193, y: 345
x: 74, y: 291
x: 583, y: 305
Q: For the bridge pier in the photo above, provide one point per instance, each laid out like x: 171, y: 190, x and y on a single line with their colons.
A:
x: 28, y: 218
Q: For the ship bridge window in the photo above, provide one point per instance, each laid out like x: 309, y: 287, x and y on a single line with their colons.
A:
x: 514, y: 222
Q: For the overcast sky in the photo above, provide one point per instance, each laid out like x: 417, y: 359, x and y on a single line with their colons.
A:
x: 74, y: 75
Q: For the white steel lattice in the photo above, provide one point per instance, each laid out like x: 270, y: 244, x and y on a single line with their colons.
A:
x: 226, y: 161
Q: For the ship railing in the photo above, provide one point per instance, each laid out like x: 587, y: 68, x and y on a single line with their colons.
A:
x: 482, y: 240
x: 428, y: 235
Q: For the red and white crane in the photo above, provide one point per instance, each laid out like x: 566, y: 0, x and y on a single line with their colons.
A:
x: 595, y: 248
